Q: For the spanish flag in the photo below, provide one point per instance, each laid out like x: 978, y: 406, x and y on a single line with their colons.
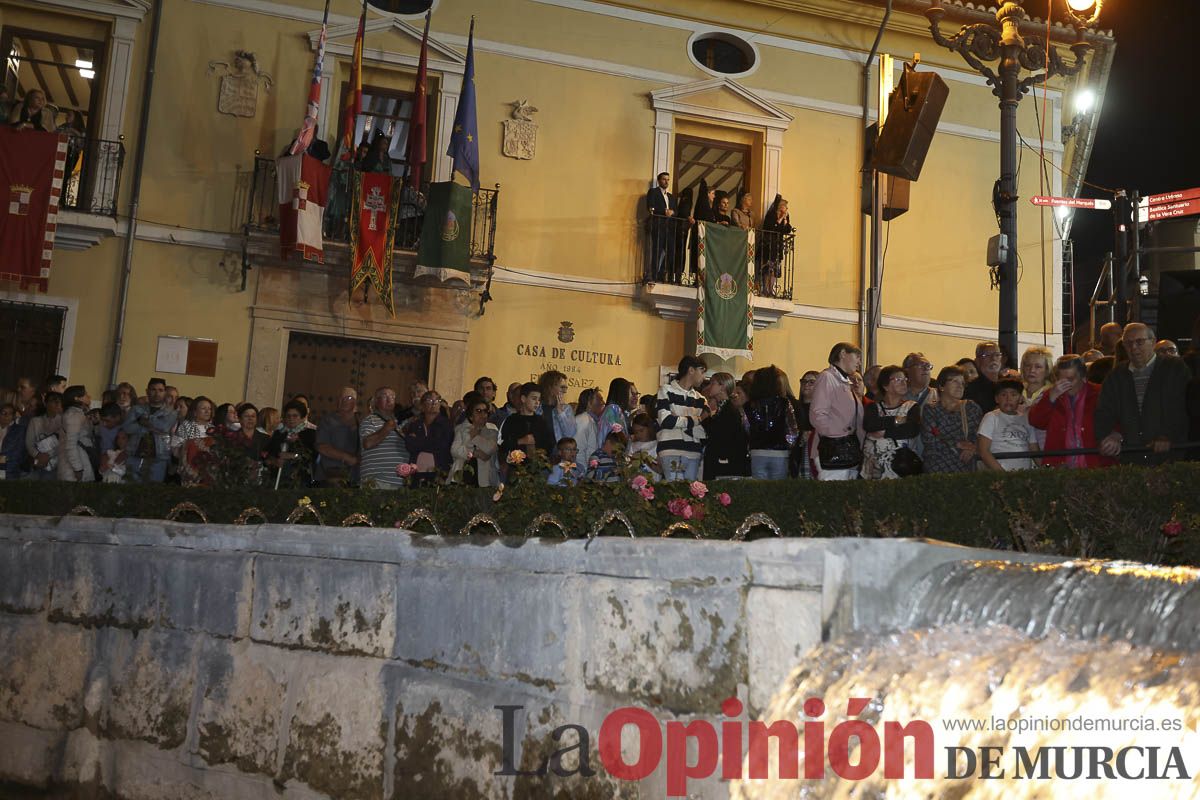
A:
x: 353, y: 104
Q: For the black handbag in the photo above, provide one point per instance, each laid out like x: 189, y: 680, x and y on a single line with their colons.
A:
x: 844, y: 452
x: 906, y: 462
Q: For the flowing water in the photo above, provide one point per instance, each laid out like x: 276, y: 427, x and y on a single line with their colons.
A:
x: 1052, y: 662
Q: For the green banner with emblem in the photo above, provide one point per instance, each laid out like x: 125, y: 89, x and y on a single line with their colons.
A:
x: 725, y: 318
x: 445, y: 250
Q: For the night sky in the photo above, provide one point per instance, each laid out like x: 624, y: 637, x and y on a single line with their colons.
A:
x: 1147, y: 137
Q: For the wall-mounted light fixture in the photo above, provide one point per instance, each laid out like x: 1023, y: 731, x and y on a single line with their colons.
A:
x: 1085, y: 102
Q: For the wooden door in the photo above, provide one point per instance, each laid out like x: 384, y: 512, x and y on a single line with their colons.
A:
x: 318, y: 366
x: 30, y: 341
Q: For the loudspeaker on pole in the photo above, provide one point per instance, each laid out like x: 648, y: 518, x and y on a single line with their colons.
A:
x: 914, y: 109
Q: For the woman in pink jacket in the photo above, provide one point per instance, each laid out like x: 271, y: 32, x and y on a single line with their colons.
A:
x: 836, y: 414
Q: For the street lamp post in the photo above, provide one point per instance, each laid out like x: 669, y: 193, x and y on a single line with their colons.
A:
x: 1002, y: 42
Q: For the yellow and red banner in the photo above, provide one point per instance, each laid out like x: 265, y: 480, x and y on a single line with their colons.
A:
x: 373, y: 214
x: 32, y: 164
x: 353, y: 104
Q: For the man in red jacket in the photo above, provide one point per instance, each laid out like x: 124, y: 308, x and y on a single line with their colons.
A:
x: 1066, y: 412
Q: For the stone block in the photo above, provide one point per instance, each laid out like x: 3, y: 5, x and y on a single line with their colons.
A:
x: 323, y: 604
x: 98, y: 585
x: 337, y: 728
x: 654, y: 644
x: 207, y: 592
x: 43, y: 670
x: 503, y: 624
x: 24, y: 576
x: 783, y: 625
x: 240, y: 712
x: 28, y: 755
x: 150, y: 681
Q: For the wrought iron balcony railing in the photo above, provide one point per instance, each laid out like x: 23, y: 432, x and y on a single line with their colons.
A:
x: 264, y: 213
x: 670, y: 257
x: 93, y: 176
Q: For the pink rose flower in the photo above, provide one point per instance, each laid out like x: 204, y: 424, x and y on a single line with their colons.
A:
x: 724, y: 498
x: 405, y: 470
x: 677, y: 506
x: 647, y: 492
x: 686, y: 512
x: 698, y: 489
x: 639, y: 482
x: 1172, y: 528
x: 595, y: 462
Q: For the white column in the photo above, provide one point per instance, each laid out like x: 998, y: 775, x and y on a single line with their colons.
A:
x: 327, y: 115
x: 446, y: 111
x: 772, y: 166
x: 116, y: 79
x: 664, y: 126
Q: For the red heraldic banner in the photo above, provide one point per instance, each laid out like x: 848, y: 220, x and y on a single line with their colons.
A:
x: 303, y: 185
x: 32, y: 164
x: 376, y: 203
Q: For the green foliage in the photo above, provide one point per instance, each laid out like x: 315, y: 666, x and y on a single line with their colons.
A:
x: 1117, y: 513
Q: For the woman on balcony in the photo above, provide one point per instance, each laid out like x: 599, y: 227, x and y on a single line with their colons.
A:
x: 32, y: 113
x: 776, y: 242
x: 741, y: 214
x: 721, y: 214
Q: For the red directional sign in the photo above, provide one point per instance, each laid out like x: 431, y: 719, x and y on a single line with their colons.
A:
x: 1169, y: 197
x: 1185, y: 208
x: 1070, y: 202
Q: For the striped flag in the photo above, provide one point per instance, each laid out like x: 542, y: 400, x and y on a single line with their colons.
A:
x: 415, y: 150
x: 353, y: 105
x: 309, y: 126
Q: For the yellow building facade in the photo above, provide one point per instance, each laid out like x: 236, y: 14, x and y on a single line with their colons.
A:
x: 616, y: 85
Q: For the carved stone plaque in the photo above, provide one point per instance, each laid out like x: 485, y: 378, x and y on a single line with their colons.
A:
x: 520, y: 138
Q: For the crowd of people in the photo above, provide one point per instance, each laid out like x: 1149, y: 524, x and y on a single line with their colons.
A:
x: 1133, y: 400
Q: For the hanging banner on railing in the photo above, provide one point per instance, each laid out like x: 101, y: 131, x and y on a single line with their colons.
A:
x: 31, y: 181
x: 373, y: 213
x: 445, y: 249
x: 303, y: 185
x: 725, y: 318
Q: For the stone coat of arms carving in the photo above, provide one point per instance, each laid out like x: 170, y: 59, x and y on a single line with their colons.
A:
x: 239, y: 84
x: 520, y: 132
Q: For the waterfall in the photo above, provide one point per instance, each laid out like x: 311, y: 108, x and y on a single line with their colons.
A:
x: 1059, y: 667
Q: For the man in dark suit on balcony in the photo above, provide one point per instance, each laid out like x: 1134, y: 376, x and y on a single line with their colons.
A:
x: 662, y: 206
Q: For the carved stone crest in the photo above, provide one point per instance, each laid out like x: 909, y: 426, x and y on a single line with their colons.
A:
x: 520, y: 132
x: 239, y: 84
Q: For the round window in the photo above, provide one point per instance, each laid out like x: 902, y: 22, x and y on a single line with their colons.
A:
x: 723, y: 54
x: 402, y: 6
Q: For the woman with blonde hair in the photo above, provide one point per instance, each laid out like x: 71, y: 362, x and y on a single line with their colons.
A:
x: 1037, y: 375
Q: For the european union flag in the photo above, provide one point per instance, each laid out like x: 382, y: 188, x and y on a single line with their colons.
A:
x: 464, y: 141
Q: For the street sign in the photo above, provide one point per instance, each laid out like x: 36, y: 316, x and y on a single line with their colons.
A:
x: 1169, y: 197
x: 1185, y: 208
x: 1071, y: 202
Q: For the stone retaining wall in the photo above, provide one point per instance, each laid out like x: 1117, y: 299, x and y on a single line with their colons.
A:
x: 162, y: 660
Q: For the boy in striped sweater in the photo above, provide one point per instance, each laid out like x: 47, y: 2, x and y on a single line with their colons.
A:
x: 680, y: 409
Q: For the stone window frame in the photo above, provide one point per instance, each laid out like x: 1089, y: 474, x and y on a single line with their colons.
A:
x: 772, y: 121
